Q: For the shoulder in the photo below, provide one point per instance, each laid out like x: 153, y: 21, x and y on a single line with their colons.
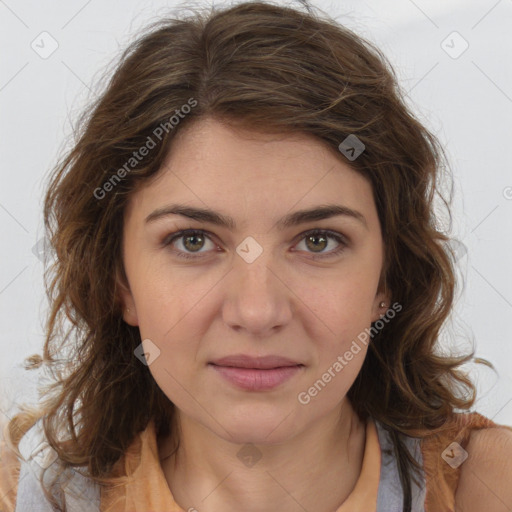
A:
x: 486, y: 475
x: 9, y: 476
x: 22, y: 462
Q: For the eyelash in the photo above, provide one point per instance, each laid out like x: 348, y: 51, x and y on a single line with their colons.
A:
x: 314, y: 232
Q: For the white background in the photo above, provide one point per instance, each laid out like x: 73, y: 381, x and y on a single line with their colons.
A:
x: 466, y: 101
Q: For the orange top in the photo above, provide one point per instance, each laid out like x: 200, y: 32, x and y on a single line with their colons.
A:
x: 146, y: 488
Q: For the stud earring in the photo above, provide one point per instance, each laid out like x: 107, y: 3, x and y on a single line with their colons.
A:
x: 382, y: 304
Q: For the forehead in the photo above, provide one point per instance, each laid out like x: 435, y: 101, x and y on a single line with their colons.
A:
x: 211, y: 145
x: 214, y: 165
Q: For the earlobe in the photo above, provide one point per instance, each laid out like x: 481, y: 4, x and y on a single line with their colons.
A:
x: 128, y: 308
x: 380, y: 306
x: 130, y: 317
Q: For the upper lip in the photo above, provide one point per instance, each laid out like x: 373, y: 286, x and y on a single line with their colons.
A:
x: 262, y: 362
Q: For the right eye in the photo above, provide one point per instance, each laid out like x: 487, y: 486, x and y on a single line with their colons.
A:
x: 189, y: 240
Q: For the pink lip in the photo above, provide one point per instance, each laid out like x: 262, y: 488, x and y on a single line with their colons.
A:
x: 261, y: 362
x: 256, y: 373
x: 253, y: 379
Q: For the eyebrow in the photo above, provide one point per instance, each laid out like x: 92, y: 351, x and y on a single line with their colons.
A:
x: 292, y: 219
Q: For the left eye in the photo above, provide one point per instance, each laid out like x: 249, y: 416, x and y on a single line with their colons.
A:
x: 321, y: 241
x: 192, y: 241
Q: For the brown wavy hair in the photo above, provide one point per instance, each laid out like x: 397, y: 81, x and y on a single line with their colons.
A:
x: 261, y: 66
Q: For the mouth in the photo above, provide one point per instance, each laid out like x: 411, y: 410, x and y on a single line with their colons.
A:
x: 256, y: 373
x: 258, y: 363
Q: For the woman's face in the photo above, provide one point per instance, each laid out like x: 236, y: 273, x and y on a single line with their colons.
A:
x: 259, y: 284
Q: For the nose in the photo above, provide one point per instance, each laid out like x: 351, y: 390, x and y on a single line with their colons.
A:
x: 256, y: 298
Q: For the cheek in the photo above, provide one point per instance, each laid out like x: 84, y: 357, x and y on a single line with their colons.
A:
x: 340, y: 306
x: 166, y: 300
x: 327, y: 384
x: 172, y: 311
x: 177, y: 339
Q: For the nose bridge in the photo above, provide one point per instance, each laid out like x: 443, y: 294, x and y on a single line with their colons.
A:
x: 255, y: 298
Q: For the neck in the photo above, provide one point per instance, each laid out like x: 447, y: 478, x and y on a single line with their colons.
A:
x: 315, y: 470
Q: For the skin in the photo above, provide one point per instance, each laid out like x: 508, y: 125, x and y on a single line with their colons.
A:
x: 283, y: 303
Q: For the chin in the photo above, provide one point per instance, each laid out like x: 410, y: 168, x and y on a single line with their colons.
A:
x: 259, y: 428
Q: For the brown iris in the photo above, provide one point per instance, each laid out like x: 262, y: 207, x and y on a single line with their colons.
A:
x: 193, y: 237
x: 323, y: 239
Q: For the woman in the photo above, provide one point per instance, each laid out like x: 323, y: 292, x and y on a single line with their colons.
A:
x: 247, y: 253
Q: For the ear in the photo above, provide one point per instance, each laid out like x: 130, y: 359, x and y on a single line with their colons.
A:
x: 381, y: 304
x: 126, y: 300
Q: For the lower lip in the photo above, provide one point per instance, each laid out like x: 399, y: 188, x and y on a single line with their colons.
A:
x: 253, y: 379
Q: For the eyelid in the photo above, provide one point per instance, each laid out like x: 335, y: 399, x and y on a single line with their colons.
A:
x: 176, y: 235
x: 340, y: 238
